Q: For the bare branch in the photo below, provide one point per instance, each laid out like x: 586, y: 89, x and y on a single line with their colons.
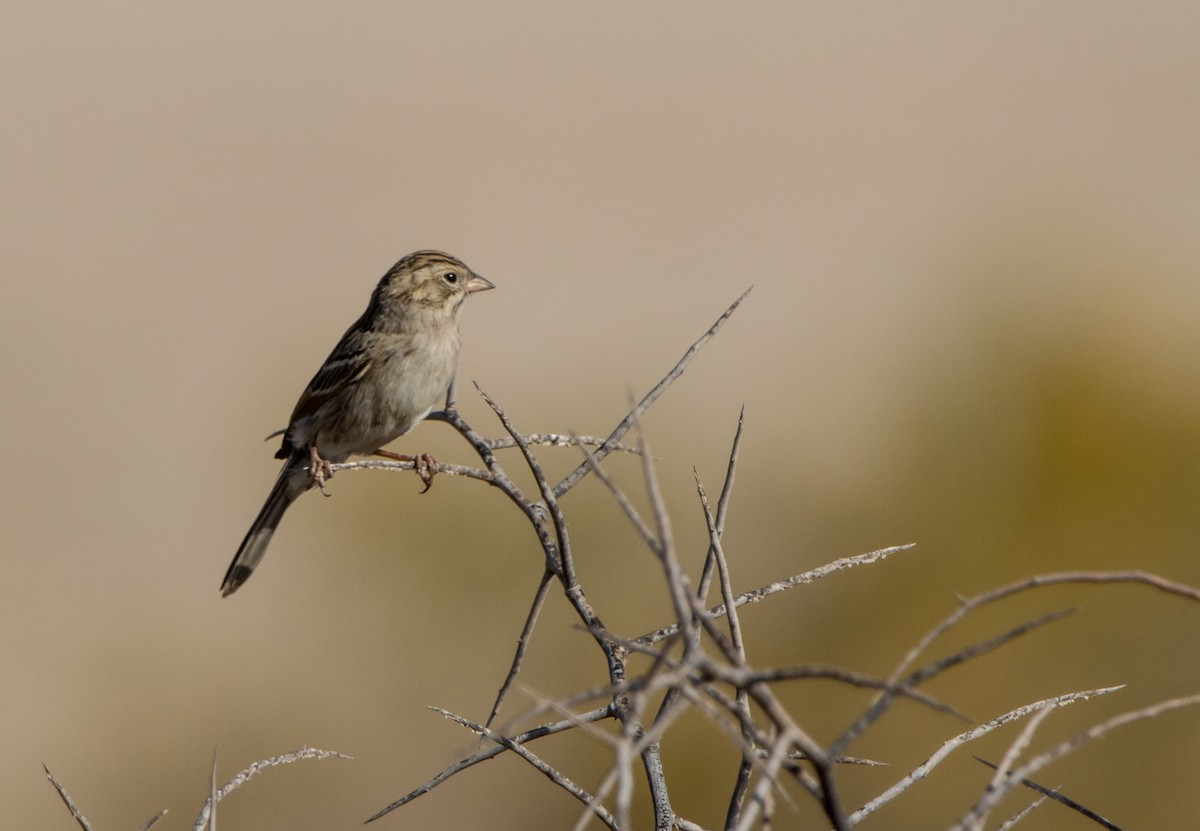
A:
x: 451, y: 417
x: 881, y: 704
x: 212, y: 794
x: 847, y: 760
x: 66, y: 798
x: 883, y: 701
x: 742, y: 678
x: 761, y: 738
x: 492, y: 752
x: 380, y: 464
x: 922, y: 770
x: 677, y: 584
x: 763, y: 592
x: 1020, y: 815
x: 558, y: 440
x: 985, y: 646
x: 722, y: 507
x: 790, y: 735
x: 560, y: 543
x: 571, y: 479
x: 548, y: 498
x: 256, y: 768
x: 592, y: 463
x: 1017, y: 747
x: 545, y: 769
x: 496, y: 475
x: 153, y: 820
x: 1037, y: 581
x: 716, y: 554
x: 539, y: 599
x: 1058, y: 796
x: 989, y: 800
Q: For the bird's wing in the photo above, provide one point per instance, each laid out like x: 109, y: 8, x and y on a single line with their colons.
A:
x: 338, y: 372
x: 348, y: 362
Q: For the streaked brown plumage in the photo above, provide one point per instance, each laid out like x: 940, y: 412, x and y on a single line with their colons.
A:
x: 384, y: 376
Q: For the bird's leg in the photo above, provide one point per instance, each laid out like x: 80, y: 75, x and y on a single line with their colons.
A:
x: 425, y: 465
x: 318, y: 469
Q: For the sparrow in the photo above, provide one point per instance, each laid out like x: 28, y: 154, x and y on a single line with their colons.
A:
x: 389, y: 370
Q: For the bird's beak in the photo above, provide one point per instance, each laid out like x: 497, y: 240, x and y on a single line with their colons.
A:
x: 476, y: 283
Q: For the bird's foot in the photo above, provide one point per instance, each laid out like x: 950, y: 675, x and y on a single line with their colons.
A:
x: 318, y: 470
x: 425, y: 465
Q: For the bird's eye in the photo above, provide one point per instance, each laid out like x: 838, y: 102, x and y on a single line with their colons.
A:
x: 450, y: 277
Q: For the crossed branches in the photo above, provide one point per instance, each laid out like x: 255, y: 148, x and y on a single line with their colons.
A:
x: 698, y: 660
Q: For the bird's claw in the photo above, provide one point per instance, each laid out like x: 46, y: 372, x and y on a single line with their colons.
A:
x: 426, y: 467
x: 423, y: 464
x: 318, y: 471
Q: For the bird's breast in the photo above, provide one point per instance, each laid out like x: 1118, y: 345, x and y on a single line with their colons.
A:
x: 409, y: 378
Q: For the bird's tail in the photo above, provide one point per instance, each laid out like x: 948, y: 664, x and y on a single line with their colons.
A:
x: 291, y: 483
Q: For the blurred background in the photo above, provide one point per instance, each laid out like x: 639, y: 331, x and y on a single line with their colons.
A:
x: 973, y: 233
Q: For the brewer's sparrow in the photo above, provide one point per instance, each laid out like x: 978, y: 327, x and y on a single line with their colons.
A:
x: 387, y: 372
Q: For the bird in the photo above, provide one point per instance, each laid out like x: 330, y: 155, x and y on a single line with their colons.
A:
x: 388, y: 371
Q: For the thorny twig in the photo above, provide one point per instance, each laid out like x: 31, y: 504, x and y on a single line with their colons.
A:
x: 207, y: 820
x: 253, y: 770
x: 76, y: 814
x: 1057, y: 796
